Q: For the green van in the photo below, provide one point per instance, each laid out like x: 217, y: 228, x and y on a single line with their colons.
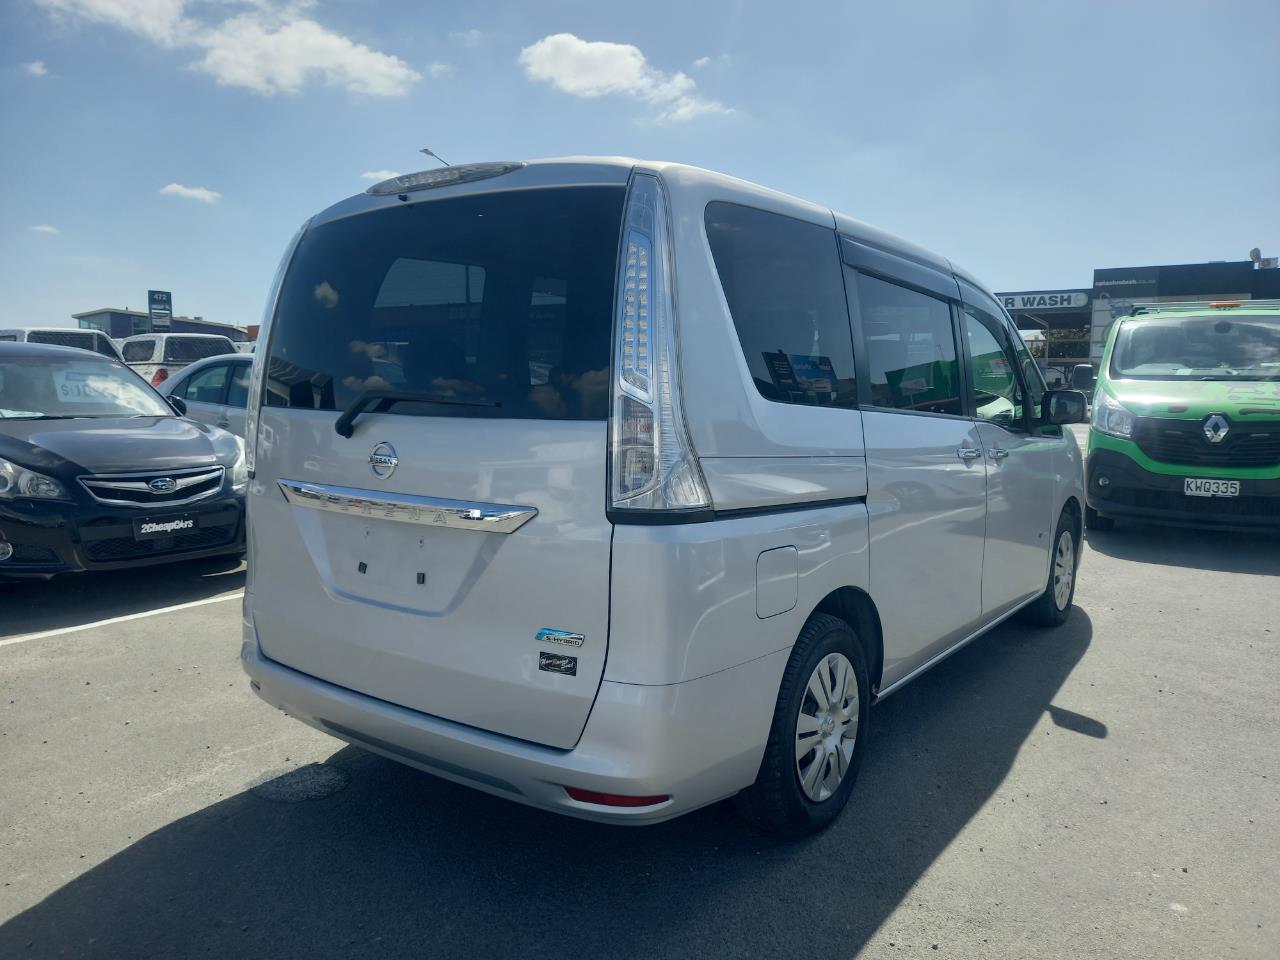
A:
x: 1186, y: 418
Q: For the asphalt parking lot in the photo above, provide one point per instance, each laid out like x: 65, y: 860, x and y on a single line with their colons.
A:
x: 1109, y: 789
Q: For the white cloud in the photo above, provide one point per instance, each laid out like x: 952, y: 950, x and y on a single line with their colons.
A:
x: 701, y: 62
x: 593, y: 68
x: 36, y: 68
x: 45, y: 228
x: 380, y: 174
x: 203, y: 194
x: 247, y: 51
x: 437, y: 69
x: 468, y: 38
x: 161, y: 21
x: 271, y: 47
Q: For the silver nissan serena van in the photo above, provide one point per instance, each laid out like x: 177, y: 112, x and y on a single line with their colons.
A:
x: 618, y: 488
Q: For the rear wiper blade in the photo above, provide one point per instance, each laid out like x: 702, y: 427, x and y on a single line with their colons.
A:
x: 380, y: 400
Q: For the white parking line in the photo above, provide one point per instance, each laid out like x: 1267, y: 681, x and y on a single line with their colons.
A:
x: 133, y: 616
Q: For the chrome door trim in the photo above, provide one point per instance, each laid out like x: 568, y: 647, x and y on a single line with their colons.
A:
x: 408, y: 508
x: 934, y: 661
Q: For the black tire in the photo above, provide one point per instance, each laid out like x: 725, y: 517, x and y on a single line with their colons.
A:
x: 1093, y: 520
x: 776, y: 802
x: 1048, y: 611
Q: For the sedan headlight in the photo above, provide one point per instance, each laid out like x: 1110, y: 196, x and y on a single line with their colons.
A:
x: 1111, y: 418
x: 16, y: 481
x: 240, y: 469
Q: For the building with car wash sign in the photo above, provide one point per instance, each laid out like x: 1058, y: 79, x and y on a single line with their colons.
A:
x: 1069, y: 327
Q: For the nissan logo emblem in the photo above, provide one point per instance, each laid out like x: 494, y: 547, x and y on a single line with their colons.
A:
x: 383, y: 460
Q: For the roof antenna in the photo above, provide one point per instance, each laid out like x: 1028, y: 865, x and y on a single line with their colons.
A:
x: 428, y: 151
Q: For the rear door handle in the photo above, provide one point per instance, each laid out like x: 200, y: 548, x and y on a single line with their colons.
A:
x: 968, y: 453
x: 996, y: 453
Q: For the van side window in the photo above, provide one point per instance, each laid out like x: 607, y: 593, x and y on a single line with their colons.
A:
x: 138, y: 351
x: 997, y: 392
x: 911, y: 348
x: 782, y: 280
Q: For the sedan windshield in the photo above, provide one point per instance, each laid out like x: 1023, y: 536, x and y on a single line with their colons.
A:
x: 1198, y: 348
x: 59, y: 389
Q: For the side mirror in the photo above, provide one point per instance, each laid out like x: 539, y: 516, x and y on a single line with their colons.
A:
x: 1064, y: 406
x: 1082, y: 377
x: 179, y: 405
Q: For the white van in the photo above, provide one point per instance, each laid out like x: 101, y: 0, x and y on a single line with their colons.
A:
x: 157, y: 356
x: 93, y: 340
x: 619, y: 488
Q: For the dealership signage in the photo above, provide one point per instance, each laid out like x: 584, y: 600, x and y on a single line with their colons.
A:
x: 160, y: 306
x: 1045, y: 300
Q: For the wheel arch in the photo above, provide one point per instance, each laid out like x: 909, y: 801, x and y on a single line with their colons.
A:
x: 1074, y: 509
x: 856, y: 608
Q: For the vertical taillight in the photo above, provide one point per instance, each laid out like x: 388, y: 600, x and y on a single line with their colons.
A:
x: 653, y: 464
x: 160, y: 376
x: 254, y: 405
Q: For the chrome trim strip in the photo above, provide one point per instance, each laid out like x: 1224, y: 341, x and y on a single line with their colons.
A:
x: 98, y: 484
x: 408, y: 508
x: 935, y: 660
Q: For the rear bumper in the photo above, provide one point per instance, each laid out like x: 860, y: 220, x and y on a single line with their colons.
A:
x: 696, y: 742
x: 59, y: 537
x: 1134, y: 493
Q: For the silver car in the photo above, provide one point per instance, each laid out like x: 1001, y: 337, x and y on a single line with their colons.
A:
x: 215, y: 390
x: 618, y: 488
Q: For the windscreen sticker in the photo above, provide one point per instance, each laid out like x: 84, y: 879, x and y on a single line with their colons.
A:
x: 85, y: 386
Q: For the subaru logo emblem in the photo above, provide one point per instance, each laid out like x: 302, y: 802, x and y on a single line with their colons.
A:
x: 1216, y: 428
x: 163, y: 485
x: 383, y: 461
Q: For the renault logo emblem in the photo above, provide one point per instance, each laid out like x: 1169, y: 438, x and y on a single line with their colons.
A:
x: 1216, y: 428
x: 163, y: 484
x: 383, y: 460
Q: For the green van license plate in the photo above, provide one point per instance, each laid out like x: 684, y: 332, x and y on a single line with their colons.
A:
x: 1193, y: 487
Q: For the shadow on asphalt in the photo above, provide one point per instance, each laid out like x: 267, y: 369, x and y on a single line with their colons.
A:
x: 399, y: 863
x: 30, y: 606
x: 1219, y: 550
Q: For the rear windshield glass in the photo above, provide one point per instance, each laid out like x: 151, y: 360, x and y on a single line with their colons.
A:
x: 139, y: 351
x: 1199, y: 348
x: 68, y: 338
x: 495, y: 305
x: 190, y: 349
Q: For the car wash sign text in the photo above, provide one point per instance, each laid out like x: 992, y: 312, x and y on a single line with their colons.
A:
x: 1044, y: 300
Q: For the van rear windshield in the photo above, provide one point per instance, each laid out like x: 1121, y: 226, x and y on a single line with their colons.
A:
x: 499, y: 304
x: 191, y: 349
x: 59, y: 338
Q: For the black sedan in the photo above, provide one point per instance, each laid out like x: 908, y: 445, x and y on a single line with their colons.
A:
x: 97, y: 472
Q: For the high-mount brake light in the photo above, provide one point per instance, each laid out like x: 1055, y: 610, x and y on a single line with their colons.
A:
x: 653, y: 467
x: 441, y: 177
x: 1222, y: 304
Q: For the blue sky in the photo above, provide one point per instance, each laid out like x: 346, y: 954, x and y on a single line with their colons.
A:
x: 177, y: 144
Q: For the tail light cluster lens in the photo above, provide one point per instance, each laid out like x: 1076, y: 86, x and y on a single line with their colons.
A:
x: 160, y: 376
x: 653, y: 468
